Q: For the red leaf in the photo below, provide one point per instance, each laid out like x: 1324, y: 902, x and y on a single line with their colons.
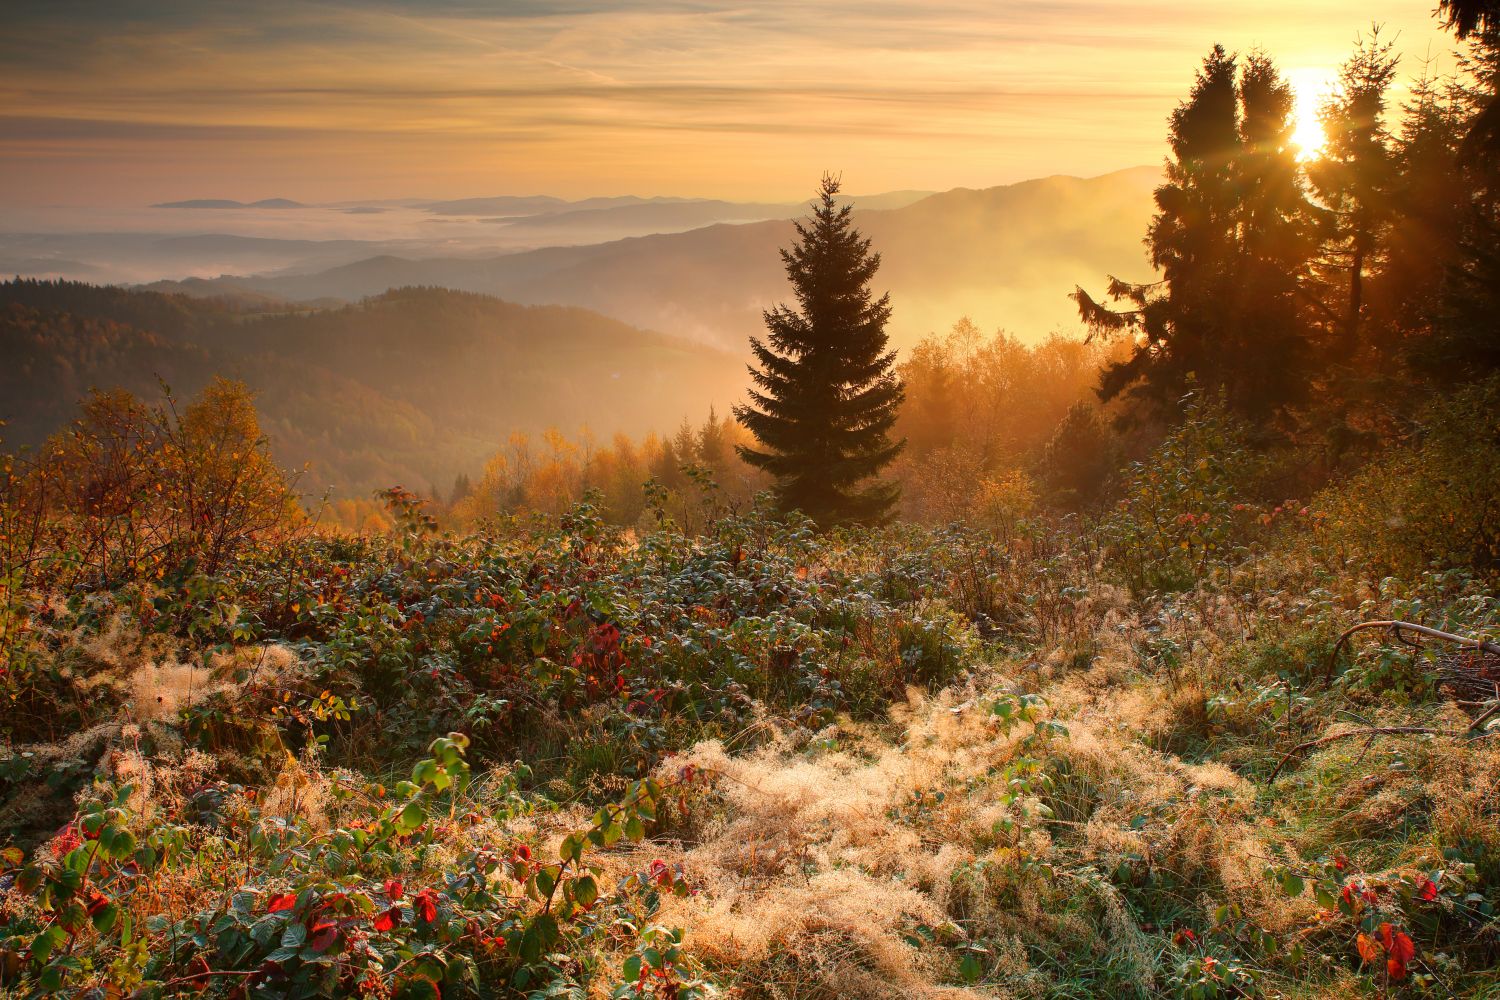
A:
x: 323, y: 936
x: 1428, y: 890
x: 285, y: 901
x: 1402, y: 948
x: 390, y: 918
x: 394, y: 889
x: 426, y: 904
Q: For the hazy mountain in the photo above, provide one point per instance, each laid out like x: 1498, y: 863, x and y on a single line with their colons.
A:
x: 1006, y: 256
x: 412, y: 386
x: 227, y: 203
x: 132, y: 257
x: 211, y: 238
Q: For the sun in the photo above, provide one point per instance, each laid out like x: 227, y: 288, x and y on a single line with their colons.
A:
x: 1311, y: 88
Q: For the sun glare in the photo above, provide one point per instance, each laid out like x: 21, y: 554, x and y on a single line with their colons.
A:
x: 1311, y: 87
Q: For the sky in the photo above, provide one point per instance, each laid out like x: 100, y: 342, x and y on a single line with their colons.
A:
x: 128, y: 102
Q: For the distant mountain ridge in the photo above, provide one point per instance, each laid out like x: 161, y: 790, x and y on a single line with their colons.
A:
x: 1006, y: 256
x: 227, y: 203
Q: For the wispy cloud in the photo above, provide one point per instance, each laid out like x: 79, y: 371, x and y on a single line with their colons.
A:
x: 751, y: 98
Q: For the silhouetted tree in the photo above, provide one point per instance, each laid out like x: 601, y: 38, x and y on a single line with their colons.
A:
x: 825, y: 393
x: 1467, y: 335
x: 1354, y: 175
x: 1466, y: 19
x: 1232, y: 238
x: 1429, y: 203
x: 463, y: 486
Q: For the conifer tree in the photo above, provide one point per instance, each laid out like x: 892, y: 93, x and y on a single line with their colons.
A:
x: 1233, y: 237
x: 826, y: 391
x: 1354, y: 175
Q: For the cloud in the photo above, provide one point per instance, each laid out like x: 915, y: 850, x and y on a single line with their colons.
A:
x: 601, y: 92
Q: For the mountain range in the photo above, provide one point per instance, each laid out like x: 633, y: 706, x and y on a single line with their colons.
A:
x: 1005, y: 256
x: 405, y: 365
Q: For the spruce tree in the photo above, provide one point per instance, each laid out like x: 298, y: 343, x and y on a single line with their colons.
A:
x: 1233, y: 238
x: 826, y: 391
x: 1354, y: 177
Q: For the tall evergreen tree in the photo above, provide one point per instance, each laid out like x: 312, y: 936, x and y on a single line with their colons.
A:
x: 1232, y: 239
x: 1470, y: 19
x: 826, y: 391
x: 1429, y: 203
x: 1468, y: 343
x: 1354, y: 176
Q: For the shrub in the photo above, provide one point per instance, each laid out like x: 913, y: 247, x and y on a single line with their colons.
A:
x: 133, y: 491
x: 1432, y: 502
x: 1186, y: 507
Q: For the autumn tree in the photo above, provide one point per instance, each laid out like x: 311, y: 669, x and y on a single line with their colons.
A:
x: 134, y: 491
x: 826, y: 392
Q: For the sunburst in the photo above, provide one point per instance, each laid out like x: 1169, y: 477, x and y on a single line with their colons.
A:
x: 1311, y: 87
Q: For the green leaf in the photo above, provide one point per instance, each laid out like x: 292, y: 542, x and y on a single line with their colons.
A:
x: 45, y: 943
x: 412, y: 816
x: 106, y: 917
x: 1292, y: 884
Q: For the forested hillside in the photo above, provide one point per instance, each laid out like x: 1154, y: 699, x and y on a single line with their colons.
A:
x: 414, y: 385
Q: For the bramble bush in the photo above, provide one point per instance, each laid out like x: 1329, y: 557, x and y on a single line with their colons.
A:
x: 1431, y: 503
x: 1187, y: 509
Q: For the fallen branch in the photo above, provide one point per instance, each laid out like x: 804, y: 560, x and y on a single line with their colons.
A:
x: 1397, y: 627
x: 1371, y: 731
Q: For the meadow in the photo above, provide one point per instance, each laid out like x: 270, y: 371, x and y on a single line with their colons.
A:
x: 554, y: 757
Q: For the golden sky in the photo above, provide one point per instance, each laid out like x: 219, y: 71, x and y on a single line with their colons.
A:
x: 130, y: 101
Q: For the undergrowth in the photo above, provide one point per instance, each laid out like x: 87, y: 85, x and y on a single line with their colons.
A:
x: 561, y: 760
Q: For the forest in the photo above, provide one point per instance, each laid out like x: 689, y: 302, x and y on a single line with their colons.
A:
x: 1158, y: 661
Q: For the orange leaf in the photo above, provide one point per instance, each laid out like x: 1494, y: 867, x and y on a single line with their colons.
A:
x: 1369, y: 948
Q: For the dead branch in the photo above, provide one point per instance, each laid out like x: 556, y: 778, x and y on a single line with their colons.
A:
x: 1397, y: 628
x: 1371, y: 731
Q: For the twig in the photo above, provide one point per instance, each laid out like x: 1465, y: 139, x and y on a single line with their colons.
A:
x: 1489, y: 713
x: 1371, y: 731
x: 206, y: 973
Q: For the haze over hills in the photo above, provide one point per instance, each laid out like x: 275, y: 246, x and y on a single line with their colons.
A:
x: 277, y: 236
x: 228, y: 203
x: 376, y: 386
x: 1006, y: 256
x: 412, y: 386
